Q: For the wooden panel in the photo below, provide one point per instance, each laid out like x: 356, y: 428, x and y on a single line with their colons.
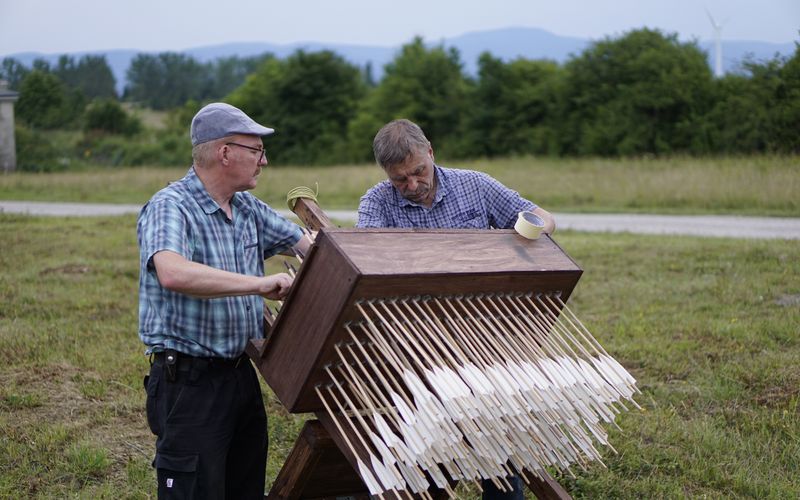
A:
x: 453, y: 251
x: 305, y: 322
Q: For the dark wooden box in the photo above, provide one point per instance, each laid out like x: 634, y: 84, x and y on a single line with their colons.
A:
x: 348, y: 265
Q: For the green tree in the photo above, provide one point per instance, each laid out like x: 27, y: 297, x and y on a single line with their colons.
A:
x: 786, y: 112
x: 107, y: 115
x: 166, y: 80
x: 13, y: 71
x: 45, y: 103
x: 424, y: 85
x: 36, y: 151
x: 642, y: 93
x: 42, y: 65
x: 738, y: 121
x: 309, y: 98
x: 179, y: 119
x: 91, y: 75
x: 228, y: 73
x: 511, y: 108
x: 757, y: 110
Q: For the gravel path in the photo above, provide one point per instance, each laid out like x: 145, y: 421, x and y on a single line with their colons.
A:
x: 693, y: 225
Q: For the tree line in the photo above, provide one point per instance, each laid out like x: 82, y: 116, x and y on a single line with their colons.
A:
x: 643, y: 92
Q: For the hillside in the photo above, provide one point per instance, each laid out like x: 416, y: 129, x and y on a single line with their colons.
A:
x: 507, y: 43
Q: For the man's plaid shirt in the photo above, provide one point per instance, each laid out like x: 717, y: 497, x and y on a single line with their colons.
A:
x: 183, y: 218
x: 464, y: 199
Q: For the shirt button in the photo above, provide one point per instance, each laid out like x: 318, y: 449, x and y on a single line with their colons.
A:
x: 248, y: 308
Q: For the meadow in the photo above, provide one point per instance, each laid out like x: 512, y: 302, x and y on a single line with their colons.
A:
x: 709, y: 327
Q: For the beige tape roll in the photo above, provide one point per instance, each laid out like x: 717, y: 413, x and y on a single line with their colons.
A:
x: 529, y: 225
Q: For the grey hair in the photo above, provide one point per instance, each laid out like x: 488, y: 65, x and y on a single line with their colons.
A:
x: 396, y: 140
x: 203, y: 153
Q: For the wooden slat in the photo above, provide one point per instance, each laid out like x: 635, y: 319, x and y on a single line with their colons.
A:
x: 312, y: 216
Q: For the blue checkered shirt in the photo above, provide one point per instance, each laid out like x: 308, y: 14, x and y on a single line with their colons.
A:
x: 464, y: 199
x: 183, y: 218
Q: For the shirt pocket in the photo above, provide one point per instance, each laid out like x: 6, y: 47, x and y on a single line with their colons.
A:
x: 471, y: 219
x: 252, y: 258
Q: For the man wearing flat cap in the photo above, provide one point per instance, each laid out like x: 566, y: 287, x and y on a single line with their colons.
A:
x: 203, y: 241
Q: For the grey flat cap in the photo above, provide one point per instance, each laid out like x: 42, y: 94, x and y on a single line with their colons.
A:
x: 218, y: 120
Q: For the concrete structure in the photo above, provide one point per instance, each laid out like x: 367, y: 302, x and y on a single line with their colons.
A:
x: 8, y: 146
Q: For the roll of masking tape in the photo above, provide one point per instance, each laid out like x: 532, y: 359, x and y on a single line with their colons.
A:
x: 529, y: 225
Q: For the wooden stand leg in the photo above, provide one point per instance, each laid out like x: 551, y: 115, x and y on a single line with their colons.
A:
x: 545, y: 488
x: 316, y: 469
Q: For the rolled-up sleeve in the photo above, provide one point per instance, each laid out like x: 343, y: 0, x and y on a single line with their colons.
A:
x: 277, y: 232
x: 162, y: 226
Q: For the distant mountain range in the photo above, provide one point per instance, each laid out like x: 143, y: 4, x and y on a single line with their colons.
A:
x: 507, y: 44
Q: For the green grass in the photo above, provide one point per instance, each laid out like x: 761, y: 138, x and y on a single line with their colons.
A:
x: 759, y: 185
x: 709, y: 327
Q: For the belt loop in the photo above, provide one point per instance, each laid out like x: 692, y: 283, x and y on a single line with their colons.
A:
x: 171, y: 364
x: 239, y: 360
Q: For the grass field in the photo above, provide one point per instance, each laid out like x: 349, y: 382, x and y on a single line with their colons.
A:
x: 761, y: 185
x: 709, y: 327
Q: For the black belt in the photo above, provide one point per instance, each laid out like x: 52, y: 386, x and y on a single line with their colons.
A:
x: 185, y: 362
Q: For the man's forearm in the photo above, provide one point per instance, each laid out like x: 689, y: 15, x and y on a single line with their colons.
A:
x: 181, y: 275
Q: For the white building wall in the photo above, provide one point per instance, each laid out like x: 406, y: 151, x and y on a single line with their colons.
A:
x: 8, y: 151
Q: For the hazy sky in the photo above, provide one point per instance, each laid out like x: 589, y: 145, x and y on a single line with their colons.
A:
x: 58, y: 26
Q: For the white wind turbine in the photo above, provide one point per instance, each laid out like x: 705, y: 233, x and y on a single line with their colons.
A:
x: 717, y: 28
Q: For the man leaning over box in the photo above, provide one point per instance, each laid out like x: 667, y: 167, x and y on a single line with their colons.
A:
x: 420, y: 194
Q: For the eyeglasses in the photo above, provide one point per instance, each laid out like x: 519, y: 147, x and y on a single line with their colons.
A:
x: 262, y: 153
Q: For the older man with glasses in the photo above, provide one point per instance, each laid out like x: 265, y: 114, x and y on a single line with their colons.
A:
x: 203, y: 241
x: 418, y: 193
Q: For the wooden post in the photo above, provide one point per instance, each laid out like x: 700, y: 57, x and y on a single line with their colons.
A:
x: 312, y: 216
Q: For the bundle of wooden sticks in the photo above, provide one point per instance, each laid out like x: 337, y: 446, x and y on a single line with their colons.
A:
x: 438, y: 356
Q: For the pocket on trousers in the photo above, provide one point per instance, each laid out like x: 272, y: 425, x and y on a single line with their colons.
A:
x: 150, y: 406
x: 177, y: 475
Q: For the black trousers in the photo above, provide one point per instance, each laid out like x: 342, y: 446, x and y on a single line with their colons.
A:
x: 491, y: 492
x: 210, y: 427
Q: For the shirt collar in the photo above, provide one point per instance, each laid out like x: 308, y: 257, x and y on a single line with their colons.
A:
x: 206, y: 202
x: 198, y: 191
x: 441, y: 192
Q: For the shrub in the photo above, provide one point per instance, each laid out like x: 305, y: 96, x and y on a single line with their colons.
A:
x: 36, y: 152
x: 156, y: 149
x: 106, y: 115
x: 44, y: 102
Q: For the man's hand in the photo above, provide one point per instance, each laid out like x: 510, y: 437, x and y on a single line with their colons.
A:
x: 549, y: 220
x: 181, y: 275
x: 276, y: 286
